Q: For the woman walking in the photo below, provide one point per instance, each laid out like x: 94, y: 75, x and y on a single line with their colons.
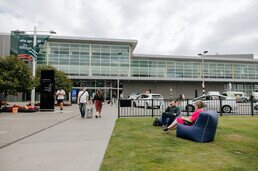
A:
x: 98, y: 98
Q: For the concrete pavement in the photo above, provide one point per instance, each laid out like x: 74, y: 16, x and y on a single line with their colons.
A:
x: 53, y: 140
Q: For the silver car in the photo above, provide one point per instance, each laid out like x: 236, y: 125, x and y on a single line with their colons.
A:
x: 148, y: 101
x: 212, y: 102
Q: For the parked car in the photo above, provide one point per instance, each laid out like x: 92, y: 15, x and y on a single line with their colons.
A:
x: 213, y: 93
x: 212, y: 102
x: 145, y: 100
x: 255, y: 95
x: 133, y: 95
x: 238, y: 95
x: 256, y: 106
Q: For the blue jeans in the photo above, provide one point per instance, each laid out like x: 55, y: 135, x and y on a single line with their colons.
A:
x: 165, y: 120
x: 82, y: 107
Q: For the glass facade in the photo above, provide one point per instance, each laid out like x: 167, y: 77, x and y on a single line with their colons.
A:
x: 87, y: 59
x: 113, y: 60
x: 189, y: 69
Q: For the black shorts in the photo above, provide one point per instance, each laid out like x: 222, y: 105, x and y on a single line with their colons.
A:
x: 60, y: 101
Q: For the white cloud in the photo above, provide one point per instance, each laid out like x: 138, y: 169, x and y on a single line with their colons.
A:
x: 165, y: 27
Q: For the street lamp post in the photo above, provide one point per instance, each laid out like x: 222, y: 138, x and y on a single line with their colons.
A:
x: 33, y: 67
x: 203, y: 84
x: 118, y: 88
x: 118, y: 81
x: 34, y: 61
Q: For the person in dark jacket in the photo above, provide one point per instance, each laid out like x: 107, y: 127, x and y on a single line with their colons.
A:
x: 171, y: 112
x: 98, y: 98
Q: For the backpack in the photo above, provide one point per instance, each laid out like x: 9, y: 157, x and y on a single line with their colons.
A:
x: 156, y: 122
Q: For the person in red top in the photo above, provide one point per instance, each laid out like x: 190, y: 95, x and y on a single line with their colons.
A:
x: 188, y: 120
x: 98, y: 103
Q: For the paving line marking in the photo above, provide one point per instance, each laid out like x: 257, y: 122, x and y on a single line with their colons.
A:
x: 27, y: 136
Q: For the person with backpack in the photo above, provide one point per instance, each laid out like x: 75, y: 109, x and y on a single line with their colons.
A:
x: 82, y: 99
x: 171, y: 112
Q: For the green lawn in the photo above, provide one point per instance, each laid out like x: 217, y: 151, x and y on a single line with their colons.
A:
x: 137, y: 145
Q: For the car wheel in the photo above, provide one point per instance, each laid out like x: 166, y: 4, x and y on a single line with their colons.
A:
x: 189, y: 108
x: 226, y: 109
x: 256, y: 107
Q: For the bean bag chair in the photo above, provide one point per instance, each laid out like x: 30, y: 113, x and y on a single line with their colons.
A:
x: 203, y: 130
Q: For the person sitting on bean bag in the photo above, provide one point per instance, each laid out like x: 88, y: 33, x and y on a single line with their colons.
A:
x: 187, y: 120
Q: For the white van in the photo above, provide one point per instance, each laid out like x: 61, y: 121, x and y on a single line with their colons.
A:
x: 238, y: 95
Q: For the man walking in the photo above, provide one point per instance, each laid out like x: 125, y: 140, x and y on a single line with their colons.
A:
x: 82, y: 99
x: 60, y: 98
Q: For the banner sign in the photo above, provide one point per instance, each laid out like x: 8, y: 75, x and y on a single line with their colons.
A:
x: 22, y: 43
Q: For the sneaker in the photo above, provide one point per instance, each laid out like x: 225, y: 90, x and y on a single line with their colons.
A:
x: 96, y: 116
x: 165, y: 129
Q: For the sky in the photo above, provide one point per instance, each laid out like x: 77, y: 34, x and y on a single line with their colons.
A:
x: 165, y: 27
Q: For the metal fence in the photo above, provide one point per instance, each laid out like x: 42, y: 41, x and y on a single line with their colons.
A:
x: 154, y: 107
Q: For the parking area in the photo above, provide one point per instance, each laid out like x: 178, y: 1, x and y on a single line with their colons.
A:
x: 223, y: 107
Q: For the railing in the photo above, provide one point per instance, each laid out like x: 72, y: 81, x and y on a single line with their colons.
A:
x: 154, y: 107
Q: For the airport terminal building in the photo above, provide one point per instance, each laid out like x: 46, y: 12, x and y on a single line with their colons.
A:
x: 108, y: 63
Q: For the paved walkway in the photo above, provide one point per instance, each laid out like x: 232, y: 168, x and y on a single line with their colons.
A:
x: 54, y: 141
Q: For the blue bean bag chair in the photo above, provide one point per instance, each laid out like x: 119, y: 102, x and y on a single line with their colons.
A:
x: 203, y: 130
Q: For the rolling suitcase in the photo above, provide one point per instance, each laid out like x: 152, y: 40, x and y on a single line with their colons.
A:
x: 89, y: 113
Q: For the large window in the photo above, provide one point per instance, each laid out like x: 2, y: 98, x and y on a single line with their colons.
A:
x: 148, y: 68
x: 110, y: 60
x: 76, y: 59
x: 82, y: 59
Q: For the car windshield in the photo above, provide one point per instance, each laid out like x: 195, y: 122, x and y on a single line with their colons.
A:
x: 156, y: 96
x: 200, y: 98
x: 142, y: 96
x: 255, y: 93
x: 213, y: 97
x: 223, y: 97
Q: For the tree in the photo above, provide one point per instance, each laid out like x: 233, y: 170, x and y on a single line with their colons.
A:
x: 15, y: 76
x: 61, y: 79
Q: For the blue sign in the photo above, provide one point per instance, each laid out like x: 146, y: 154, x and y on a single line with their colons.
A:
x: 74, y: 95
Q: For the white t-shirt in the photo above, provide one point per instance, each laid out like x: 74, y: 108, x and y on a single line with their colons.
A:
x: 60, y: 94
x: 83, y: 97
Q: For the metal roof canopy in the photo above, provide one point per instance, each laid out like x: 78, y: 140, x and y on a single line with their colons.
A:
x: 214, y: 58
x: 68, y: 39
